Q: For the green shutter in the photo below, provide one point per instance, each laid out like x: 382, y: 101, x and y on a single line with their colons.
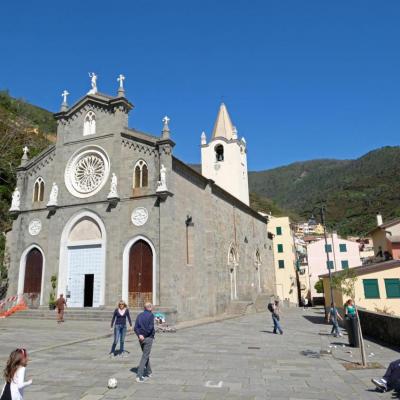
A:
x: 328, y: 248
x: 279, y: 230
x: 343, y: 247
x: 345, y: 264
x: 281, y: 263
x: 371, y: 289
x: 392, y: 288
x: 280, y: 248
x: 329, y: 264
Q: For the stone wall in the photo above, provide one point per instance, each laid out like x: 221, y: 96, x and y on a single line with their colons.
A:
x: 382, y: 327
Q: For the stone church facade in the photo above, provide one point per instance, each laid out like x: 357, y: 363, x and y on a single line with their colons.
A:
x: 113, y: 214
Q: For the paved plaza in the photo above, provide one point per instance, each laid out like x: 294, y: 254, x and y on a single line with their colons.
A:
x: 232, y: 359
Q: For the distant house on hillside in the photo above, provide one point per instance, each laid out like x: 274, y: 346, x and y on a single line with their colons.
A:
x: 343, y: 254
x: 386, y: 240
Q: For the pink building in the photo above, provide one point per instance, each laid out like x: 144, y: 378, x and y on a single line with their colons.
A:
x: 343, y: 254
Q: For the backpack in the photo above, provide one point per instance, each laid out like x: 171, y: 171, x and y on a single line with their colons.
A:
x: 270, y: 307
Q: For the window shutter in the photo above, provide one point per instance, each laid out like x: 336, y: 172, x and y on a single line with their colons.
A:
x: 281, y: 263
x: 343, y: 247
x: 280, y: 248
x: 392, y: 288
x: 371, y: 288
x: 345, y: 264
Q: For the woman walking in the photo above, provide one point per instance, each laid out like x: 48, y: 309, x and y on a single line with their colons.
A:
x: 14, y: 374
x: 121, y: 314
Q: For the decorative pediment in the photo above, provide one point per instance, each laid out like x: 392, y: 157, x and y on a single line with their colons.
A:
x: 94, y: 102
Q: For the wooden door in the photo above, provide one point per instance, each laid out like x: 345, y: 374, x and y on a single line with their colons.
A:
x: 33, y: 272
x: 140, y: 274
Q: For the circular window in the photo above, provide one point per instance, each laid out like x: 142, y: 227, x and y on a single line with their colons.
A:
x: 87, y: 171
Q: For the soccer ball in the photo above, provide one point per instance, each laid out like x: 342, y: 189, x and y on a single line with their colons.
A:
x: 112, y: 383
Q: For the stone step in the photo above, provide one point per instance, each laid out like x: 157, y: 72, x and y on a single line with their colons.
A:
x: 92, y: 314
x: 237, y: 307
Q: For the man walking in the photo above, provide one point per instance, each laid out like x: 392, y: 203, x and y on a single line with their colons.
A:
x: 275, y: 312
x: 144, y: 329
x: 60, y: 306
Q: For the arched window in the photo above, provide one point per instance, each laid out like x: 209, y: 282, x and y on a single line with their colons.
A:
x: 141, y: 175
x: 219, y: 152
x: 38, y: 190
x: 89, y: 124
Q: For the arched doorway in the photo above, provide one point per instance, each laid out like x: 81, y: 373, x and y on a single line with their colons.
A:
x: 257, y: 263
x: 33, y: 272
x: 82, y: 261
x: 233, y: 262
x: 140, y: 281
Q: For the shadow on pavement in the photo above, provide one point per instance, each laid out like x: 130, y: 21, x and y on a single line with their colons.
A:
x: 310, y: 353
x: 315, y: 319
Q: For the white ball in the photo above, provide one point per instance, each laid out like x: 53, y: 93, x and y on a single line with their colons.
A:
x: 112, y: 383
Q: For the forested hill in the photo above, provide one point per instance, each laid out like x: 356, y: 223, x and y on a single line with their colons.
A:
x: 353, y: 190
x: 20, y: 124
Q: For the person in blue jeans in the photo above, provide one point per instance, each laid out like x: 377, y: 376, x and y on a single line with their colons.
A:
x: 276, y: 317
x: 334, y: 316
x: 120, y: 316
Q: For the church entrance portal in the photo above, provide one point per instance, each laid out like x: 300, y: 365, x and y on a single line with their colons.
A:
x: 140, y: 274
x: 33, y: 272
x: 84, y: 275
x: 88, y: 293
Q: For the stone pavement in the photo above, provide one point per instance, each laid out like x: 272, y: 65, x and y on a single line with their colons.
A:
x: 234, y: 359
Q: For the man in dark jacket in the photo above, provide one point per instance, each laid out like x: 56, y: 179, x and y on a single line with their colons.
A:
x: 144, y: 329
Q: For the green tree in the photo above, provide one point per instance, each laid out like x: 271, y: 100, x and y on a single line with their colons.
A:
x: 345, y: 281
x: 319, y: 286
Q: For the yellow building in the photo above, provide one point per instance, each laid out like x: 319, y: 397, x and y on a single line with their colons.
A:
x: 284, y: 259
x: 376, y: 289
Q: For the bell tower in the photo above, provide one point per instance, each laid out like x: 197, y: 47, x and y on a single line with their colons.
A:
x: 224, y: 159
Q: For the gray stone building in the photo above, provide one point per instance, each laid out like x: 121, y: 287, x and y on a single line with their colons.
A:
x: 113, y: 214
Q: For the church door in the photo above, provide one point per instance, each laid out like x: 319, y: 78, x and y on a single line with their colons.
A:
x: 140, y: 274
x: 33, y: 272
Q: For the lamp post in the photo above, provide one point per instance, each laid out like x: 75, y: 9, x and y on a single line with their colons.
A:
x: 321, y: 210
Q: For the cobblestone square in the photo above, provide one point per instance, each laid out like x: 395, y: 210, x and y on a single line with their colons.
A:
x: 232, y: 359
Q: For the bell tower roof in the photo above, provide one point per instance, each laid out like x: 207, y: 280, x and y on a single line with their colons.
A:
x: 223, y: 126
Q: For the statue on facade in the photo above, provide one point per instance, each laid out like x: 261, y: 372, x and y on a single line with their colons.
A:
x: 113, y: 187
x: 93, y: 82
x: 53, y: 200
x: 162, y: 183
x: 16, y: 200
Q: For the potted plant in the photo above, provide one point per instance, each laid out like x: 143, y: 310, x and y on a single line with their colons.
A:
x: 52, y: 296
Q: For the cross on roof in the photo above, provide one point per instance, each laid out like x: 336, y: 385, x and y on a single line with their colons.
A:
x: 64, y: 94
x: 121, y: 79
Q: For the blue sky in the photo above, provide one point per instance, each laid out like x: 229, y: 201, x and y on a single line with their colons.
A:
x: 302, y: 79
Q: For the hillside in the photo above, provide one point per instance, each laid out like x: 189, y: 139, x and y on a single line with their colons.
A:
x: 353, y: 190
x: 20, y: 124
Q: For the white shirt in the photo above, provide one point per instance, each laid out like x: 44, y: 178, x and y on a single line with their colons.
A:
x: 18, y: 384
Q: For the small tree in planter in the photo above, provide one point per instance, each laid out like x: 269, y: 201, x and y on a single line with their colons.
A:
x: 346, y: 282
x: 52, y: 297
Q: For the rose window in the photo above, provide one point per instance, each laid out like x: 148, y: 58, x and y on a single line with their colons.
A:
x: 87, y: 172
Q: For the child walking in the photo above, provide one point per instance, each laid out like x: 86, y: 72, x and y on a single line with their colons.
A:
x: 14, y: 374
x: 334, y: 315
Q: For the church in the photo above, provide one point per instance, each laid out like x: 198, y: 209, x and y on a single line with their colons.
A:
x: 108, y: 212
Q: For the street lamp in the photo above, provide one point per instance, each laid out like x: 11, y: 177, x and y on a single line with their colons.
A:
x: 321, y: 211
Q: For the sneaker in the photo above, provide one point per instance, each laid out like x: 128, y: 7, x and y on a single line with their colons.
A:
x: 340, y: 334
x: 380, y: 384
x: 148, y: 376
x: 140, y: 379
